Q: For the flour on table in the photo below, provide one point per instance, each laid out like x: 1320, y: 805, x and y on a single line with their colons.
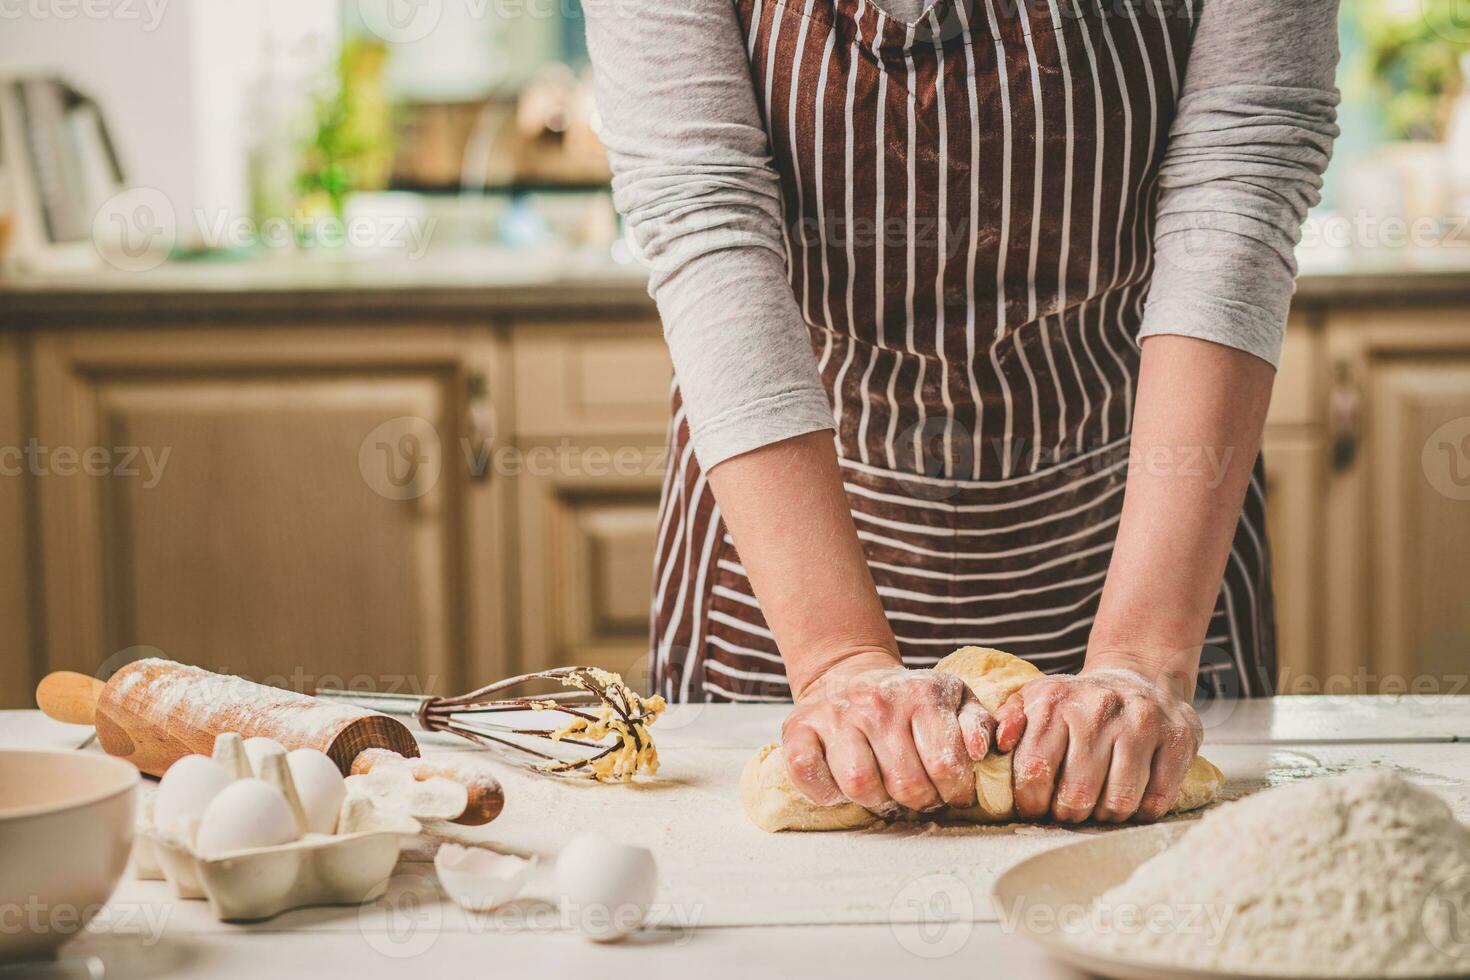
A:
x: 1354, y: 876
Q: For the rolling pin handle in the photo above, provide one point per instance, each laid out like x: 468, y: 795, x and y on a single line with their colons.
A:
x: 68, y: 696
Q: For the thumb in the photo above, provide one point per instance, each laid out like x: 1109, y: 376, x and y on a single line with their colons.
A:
x: 1010, y: 723
x: 977, y: 727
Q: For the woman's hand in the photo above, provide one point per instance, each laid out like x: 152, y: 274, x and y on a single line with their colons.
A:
x: 874, y: 732
x: 1108, y: 743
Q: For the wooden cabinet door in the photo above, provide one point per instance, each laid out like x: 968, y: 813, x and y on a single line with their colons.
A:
x: 591, y: 418
x: 18, y: 660
x: 587, y: 545
x: 1295, y: 454
x: 297, y: 509
x: 1398, y: 532
x: 1418, y: 510
x: 1293, y: 524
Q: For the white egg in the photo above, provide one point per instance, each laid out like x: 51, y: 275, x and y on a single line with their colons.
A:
x: 186, y: 790
x: 247, y: 813
x: 258, y: 747
x: 606, y: 887
x: 320, y: 786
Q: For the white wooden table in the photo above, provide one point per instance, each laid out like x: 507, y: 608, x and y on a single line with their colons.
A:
x: 735, y: 902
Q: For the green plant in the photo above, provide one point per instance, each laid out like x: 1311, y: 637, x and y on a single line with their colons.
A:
x: 1413, y: 60
x: 351, y: 148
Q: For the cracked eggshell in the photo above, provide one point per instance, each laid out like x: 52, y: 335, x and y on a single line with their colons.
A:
x: 480, y: 879
x: 320, y: 786
x: 247, y: 814
x: 606, y: 887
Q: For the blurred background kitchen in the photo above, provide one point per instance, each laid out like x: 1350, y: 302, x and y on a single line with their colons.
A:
x: 323, y: 359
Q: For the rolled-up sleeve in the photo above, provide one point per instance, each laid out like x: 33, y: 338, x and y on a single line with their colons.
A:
x: 692, y: 176
x: 1251, y: 139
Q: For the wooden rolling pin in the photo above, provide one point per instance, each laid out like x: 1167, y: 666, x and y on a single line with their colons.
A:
x: 155, y: 712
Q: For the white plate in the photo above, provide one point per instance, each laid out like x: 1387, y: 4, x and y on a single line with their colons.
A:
x: 1044, y: 889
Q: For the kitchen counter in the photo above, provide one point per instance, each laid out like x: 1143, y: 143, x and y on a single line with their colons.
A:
x: 737, y: 902
x: 468, y: 282
x: 490, y: 281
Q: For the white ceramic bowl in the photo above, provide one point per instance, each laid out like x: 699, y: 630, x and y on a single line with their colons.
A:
x: 66, y: 826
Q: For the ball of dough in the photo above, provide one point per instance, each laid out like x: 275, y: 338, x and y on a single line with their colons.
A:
x: 773, y: 803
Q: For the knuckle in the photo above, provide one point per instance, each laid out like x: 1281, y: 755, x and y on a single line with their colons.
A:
x: 1109, y: 705
x: 949, y: 773
x: 860, y: 780
x: 1146, y: 713
x: 1064, y: 814
x: 1078, y: 797
x: 904, y: 785
x: 1154, y: 806
x: 1033, y: 768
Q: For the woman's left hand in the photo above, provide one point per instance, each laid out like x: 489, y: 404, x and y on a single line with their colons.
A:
x: 1108, y: 743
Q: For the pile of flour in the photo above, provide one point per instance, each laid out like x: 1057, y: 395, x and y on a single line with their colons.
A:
x: 1354, y: 876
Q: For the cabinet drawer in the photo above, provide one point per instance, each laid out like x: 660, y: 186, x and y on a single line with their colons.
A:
x: 587, y: 380
x: 1294, y: 399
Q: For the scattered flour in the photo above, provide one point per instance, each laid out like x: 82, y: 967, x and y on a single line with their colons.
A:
x: 1353, y: 876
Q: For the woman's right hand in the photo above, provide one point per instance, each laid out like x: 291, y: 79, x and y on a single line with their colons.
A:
x: 870, y: 731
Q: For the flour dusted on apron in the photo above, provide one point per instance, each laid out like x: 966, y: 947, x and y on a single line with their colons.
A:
x: 968, y: 210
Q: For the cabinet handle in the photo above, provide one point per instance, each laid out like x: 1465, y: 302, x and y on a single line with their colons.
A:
x: 479, y: 427
x: 1344, y: 418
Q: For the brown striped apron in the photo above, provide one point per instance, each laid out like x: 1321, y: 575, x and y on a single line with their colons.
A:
x: 968, y: 213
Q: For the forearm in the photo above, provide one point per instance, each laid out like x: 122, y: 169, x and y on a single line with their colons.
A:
x: 789, y: 517
x: 1197, y: 427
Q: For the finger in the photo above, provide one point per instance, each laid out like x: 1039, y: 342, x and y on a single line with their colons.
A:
x: 806, y: 764
x: 1010, y: 723
x: 1084, y: 770
x: 902, y: 769
x: 977, y: 728
x: 1127, y: 778
x: 853, y: 765
x: 1166, y: 777
x: 1038, y: 759
x: 940, y: 739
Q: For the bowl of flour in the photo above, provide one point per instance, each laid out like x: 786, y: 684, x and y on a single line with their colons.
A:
x: 1359, y: 875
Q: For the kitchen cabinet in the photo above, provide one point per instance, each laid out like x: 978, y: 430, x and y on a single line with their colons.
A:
x: 1294, y: 447
x: 287, y: 504
x: 1397, y: 520
x: 19, y: 655
x: 592, y: 409
x: 430, y: 488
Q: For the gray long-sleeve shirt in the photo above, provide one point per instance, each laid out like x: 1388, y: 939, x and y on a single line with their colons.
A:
x: 692, y: 174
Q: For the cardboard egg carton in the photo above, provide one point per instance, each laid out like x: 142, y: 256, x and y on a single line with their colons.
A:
x: 349, y: 866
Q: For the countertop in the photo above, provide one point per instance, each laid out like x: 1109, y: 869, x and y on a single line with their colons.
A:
x: 737, y: 902
x: 487, y: 282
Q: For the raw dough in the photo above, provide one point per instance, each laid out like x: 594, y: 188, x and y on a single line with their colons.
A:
x: 773, y: 803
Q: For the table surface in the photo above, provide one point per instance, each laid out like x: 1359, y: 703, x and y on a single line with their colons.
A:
x: 733, y: 901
